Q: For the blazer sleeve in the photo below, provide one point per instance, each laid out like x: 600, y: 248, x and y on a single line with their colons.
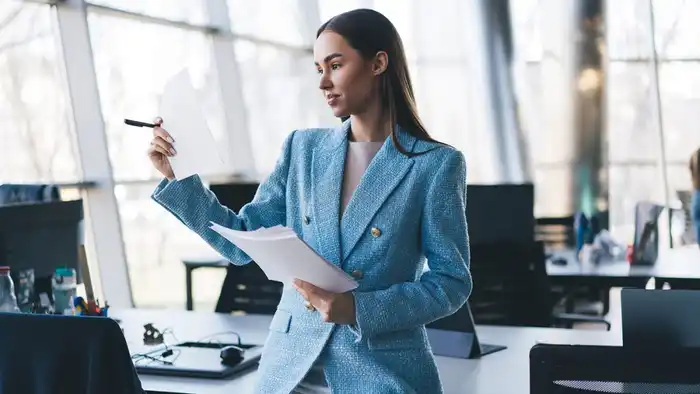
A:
x: 196, y: 206
x: 447, y: 284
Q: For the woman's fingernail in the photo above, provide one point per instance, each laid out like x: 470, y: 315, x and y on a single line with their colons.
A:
x: 170, y: 139
x: 172, y: 150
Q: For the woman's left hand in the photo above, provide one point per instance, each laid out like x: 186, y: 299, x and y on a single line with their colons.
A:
x: 336, y: 308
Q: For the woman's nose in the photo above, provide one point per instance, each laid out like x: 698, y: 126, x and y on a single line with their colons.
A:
x: 324, y: 82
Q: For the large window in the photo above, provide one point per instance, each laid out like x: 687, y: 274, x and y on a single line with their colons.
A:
x: 36, y: 134
x: 632, y: 109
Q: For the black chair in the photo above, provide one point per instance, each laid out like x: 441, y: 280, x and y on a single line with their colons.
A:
x: 53, y: 354
x: 555, y: 232
x: 569, y: 369
x: 246, y: 289
x: 512, y: 288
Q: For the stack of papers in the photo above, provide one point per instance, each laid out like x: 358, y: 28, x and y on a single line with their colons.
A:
x: 283, y: 257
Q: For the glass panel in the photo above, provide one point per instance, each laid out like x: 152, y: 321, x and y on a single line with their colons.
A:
x: 553, y: 191
x: 275, y: 20
x: 680, y: 94
x: 281, y: 94
x: 156, y: 242
x: 628, y: 186
x: 331, y: 8
x: 134, y: 61
x: 677, y: 28
x: 38, y: 141
x: 628, y: 29
x: 630, y: 122
x: 526, y: 22
x: 191, y: 11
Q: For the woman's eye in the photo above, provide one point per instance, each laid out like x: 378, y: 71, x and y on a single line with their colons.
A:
x: 335, y: 66
x: 318, y: 70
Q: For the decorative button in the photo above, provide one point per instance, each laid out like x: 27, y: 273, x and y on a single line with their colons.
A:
x: 376, y: 232
x: 357, y: 274
x: 307, y: 219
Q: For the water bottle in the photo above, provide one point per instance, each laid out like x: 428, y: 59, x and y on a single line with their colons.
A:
x: 8, y: 300
x: 65, y: 288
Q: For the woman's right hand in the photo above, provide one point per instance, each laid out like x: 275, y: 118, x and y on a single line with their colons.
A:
x: 161, y: 148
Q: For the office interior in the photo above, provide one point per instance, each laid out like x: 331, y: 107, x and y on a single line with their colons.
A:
x: 577, y: 119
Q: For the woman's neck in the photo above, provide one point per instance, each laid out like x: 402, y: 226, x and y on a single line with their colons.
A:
x: 370, y: 126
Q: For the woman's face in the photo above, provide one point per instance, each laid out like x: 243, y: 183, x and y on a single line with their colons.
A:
x: 347, y: 80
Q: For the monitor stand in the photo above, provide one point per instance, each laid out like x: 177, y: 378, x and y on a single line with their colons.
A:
x: 459, y: 344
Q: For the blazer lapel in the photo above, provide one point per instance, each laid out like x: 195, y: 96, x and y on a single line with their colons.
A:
x: 383, y: 175
x: 328, y: 166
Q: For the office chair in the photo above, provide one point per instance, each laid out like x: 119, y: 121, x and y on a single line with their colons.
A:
x: 52, y: 354
x: 568, y: 369
x: 511, y: 288
x: 20, y: 193
x: 556, y: 232
x: 246, y: 289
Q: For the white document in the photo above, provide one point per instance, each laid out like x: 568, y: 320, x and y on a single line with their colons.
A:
x: 183, y: 118
x: 283, y: 257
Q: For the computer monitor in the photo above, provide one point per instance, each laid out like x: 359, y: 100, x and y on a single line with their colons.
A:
x: 234, y: 195
x: 501, y: 213
x: 41, y: 236
x: 455, y: 336
x: 660, y: 318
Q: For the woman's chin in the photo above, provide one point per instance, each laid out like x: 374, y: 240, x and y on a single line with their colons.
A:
x: 339, y: 112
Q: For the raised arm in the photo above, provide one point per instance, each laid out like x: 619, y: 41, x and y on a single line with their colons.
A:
x: 195, y: 206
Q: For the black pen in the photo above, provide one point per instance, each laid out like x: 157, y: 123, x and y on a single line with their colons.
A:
x: 139, y: 124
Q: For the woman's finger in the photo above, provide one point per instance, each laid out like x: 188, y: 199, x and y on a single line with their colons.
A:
x: 158, y: 121
x: 158, y: 141
x: 162, y: 133
x: 160, y: 149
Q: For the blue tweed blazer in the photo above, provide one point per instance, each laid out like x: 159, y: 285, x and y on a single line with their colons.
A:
x: 404, y: 212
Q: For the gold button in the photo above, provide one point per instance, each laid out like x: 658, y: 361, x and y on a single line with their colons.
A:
x: 307, y: 219
x: 376, y: 232
x: 357, y: 274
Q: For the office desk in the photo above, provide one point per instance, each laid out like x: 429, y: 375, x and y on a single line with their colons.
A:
x: 680, y: 266
x: 506, y: 371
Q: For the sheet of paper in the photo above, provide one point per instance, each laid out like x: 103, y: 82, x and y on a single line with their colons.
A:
x: 284, y: 257
x: 183, y: 118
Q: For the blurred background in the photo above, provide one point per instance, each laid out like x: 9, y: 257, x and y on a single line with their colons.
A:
x: 594, y: 102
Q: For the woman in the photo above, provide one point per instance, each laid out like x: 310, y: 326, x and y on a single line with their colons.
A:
x: 375, y: 196
x: 695, y: 197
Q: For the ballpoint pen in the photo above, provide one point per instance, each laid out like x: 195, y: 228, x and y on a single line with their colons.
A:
x: 136, y: 123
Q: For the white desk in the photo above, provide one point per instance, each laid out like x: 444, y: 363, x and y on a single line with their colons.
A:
x: 506, y: 371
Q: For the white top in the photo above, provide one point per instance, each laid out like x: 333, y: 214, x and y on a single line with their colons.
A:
x: 359, y: 156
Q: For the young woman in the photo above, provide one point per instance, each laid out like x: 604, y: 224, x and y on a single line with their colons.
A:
x: 375, y: 196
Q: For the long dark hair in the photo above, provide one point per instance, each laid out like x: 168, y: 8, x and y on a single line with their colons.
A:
x: 369, y: 32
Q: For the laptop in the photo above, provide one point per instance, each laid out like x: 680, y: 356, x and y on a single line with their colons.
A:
x: 195, y: 360
x: 660, y: 318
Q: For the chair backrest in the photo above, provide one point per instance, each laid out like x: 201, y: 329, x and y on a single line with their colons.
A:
x: 565, y: 369
x: 51, y: 354
x: 555, y: 232
x: 511, y: 286
x: 247, y: 289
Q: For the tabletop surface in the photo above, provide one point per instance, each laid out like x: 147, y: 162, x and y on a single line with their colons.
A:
x: 485, y: 375
x: 679, y: 263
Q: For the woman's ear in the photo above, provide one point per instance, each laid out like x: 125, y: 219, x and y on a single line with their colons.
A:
x: 381, y: 62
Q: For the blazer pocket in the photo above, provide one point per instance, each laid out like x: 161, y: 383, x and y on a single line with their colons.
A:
x: 397, y: 340
x: 281, y: 321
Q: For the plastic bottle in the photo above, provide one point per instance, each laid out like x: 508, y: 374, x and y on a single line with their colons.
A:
x: 65, y: 288
x: 8, y: 300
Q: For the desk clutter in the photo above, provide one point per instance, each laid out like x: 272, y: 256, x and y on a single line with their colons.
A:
x: 207, y: 357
